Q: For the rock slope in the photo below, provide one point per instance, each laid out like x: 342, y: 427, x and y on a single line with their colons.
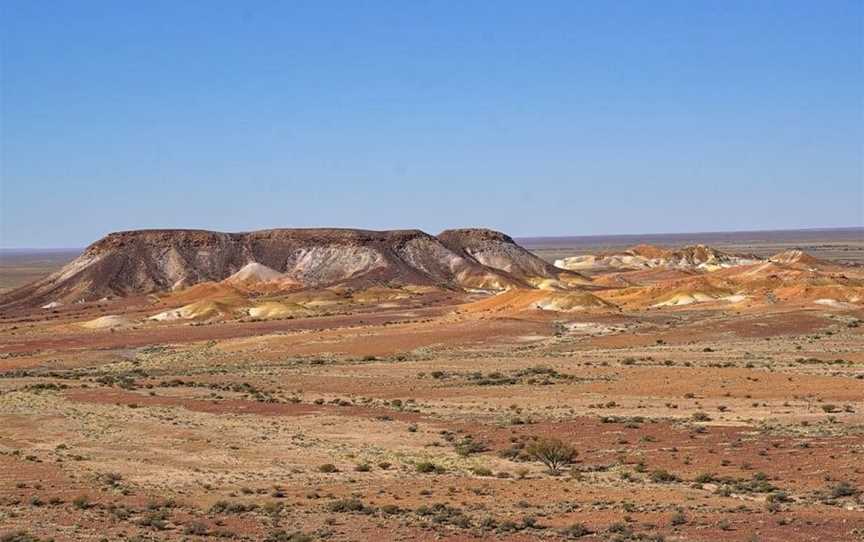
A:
x: 151, y: 261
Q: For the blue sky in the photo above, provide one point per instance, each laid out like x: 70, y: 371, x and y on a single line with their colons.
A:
x: 536, y: 118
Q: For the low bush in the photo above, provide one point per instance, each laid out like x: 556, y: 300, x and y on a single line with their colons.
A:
x: 552, y: 452
x: 427, y: 467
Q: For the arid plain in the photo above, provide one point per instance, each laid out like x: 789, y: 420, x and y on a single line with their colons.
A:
x: 299, y: 385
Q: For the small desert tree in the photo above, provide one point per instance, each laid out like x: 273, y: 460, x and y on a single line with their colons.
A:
x: 552, y: 452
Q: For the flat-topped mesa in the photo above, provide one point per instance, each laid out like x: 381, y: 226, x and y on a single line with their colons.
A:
x: 213, y: 239
x: 123, y: 239
x: 152, y: 261
x: 474, y: 235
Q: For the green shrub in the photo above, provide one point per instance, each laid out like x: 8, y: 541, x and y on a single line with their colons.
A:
x: 349, y: 505
x: 844, y: 489
x: 661, y: 476
x: 469, y: 446
x: 577, y: 530
x: 427, y: 467
x: 705, y: 478
x: 19, y: 536
x: 285, y: 536
x: 196, y: 528
x: 482, y: 471
x: 552, y: 452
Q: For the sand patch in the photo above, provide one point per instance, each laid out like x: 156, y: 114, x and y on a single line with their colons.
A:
x: 276, y: 309
x: 107, y: 322
x: 201, y: 310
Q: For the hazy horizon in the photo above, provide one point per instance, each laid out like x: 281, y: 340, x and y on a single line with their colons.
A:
x: 631, y: 235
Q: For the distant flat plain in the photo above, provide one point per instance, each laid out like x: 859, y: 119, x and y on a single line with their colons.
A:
x: 22, y: 266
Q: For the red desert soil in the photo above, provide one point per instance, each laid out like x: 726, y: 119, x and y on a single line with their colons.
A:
x: 377, y: 408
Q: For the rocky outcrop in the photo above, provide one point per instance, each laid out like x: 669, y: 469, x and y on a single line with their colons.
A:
x: 694, y: 258
x: 150, y: 261
x: 499, y: 251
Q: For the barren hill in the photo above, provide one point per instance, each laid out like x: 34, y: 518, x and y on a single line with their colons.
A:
x: 694, y: 257
x: 149, y: 261
x: 795, y: 256
x: 496, y: 250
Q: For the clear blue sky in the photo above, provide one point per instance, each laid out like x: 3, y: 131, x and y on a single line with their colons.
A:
x: 536, y: 118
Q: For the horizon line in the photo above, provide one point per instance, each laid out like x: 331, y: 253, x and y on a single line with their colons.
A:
x: 708, y: 232
x: 517, y: 237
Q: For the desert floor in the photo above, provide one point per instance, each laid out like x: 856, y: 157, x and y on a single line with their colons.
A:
x: 413, y: 421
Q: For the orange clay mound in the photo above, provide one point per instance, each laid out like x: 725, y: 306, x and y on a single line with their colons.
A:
x: 255, y: 277
x: 763, y: 283
x: 649, y: 251
x: 615, y: 280
x: 200, y: 310
x: 670, y: 293
x: 652, y: 276
x: 377, y: 294
x: 521, y: 300
x: 827, y: 294
x: 795, y: 256
x: 277, y: 309
x: 205, y: 301
x: 215, y: 291
x: 318, y: 297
